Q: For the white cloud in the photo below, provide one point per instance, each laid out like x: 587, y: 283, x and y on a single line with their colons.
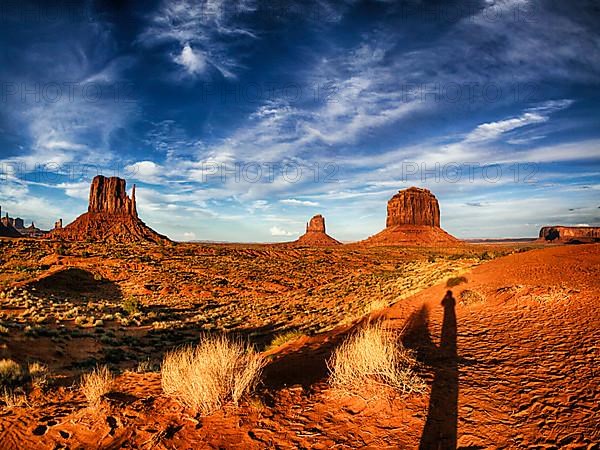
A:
x: 206, y: 31
x: 277, y: 231
x: 189, y: 235
x: 293, y: 201
x: 147, y: 172
x: 489, y: 131
x: 194, y: 62
x: 79, y: 190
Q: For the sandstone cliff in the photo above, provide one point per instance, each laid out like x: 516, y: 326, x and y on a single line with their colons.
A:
x: 413, y: 206
x: 569, y: 234
x: 111, y: 217
x: 413, y: 218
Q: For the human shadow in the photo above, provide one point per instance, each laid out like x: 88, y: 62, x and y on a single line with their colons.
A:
x: 440, y: 431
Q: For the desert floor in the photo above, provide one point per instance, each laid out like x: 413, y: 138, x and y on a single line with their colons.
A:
x: 510, y: 357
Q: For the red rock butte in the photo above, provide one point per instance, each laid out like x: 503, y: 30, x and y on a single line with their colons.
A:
x: 413, y: 218
x: 315, y: 235
x: 560, y: 234
x: 109, y: 195
x: 111, y: 217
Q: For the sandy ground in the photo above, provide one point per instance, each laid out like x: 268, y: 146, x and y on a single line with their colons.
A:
x: 510, y: 356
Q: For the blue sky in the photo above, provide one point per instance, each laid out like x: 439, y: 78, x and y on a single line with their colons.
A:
x: 239, y: 120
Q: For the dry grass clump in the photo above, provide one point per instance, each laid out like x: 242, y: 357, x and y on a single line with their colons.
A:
x: 207, y: 376
x: 96, y: 384
x: 284, y: 338
x: 12, y: 399
x: 373, y: 359
x: 38, y: 373
x: 10, y: 372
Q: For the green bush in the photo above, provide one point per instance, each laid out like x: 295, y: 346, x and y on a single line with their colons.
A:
x: 131, y: 306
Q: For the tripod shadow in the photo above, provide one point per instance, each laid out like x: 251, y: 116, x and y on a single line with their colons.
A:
x: 440, y: 431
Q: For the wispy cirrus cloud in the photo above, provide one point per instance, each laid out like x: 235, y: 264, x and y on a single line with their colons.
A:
x: 201, y: 34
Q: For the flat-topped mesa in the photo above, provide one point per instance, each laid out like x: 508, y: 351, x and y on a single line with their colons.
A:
x: 564, y: 234
x: 413, y: 206
x: 109, y: 195
x: 413, y: 218
x: 315, y: 235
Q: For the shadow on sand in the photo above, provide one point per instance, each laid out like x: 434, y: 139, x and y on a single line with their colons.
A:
x: 440, y: 431
x: 73, y: 281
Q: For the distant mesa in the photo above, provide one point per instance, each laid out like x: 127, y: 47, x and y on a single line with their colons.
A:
x: 15, y: 227
x: 112, y: 217
x: 413, y: 218
x: 7, y: 229
x: 569, y: 235
x: 315, y: 235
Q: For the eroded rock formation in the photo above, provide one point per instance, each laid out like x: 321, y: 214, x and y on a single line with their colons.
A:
x: 413, y: 218
x: 413, y: 206
x: 316, y: 224
x: 562, y: 234
x: 111, y: 217
x: 109, y: 195
x: 315, y: 235
x: 7, y: 226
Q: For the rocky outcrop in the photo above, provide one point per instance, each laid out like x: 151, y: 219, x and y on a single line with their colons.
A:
x: 316, y: 224
x: 8, y: 231
x: 112, y: 217
x: 315, y: 235
x: 7, y: 226
x: 413, y: 206
x: 560, y: 234
x: 413, y: 218
x: 109, y: 195
x: 32, y: 231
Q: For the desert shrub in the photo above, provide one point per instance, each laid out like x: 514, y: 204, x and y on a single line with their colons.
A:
x: 468, y: 297
x: 455, y: 281
x: 284, y: 338
x: 147, y: 366
x: 207, y: 376
x: 10, y: 372
x: 38, y: 373
x: 376, y: 305
x: 96, y: 383
x: 131, y: 306
x: 485, y: 256
x: 373, y: 358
